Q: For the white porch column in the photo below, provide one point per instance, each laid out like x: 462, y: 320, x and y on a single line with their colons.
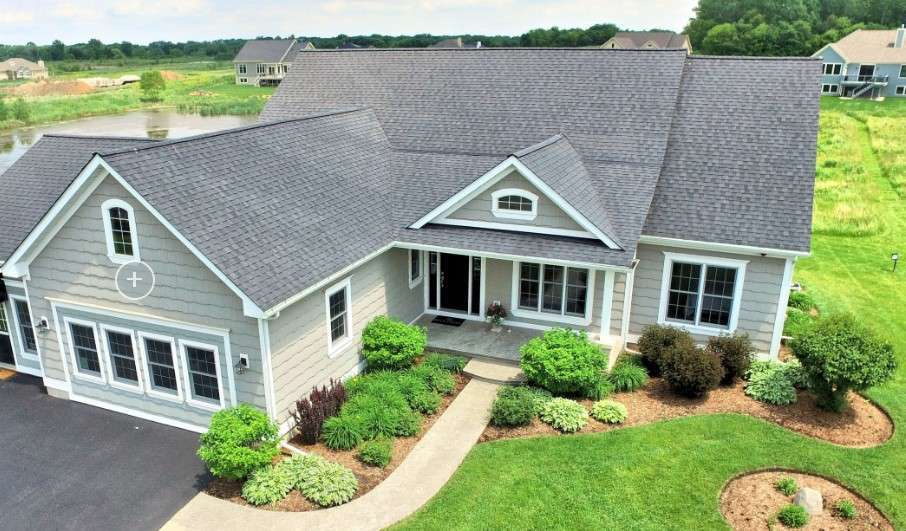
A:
x: 607, y: 306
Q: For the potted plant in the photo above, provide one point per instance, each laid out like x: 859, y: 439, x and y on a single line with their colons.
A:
x: 495, y: 315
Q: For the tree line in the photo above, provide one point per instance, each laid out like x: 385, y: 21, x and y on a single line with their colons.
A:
x: 785, y: 27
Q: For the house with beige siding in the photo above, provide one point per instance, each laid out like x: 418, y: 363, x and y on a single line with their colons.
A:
x: 18, y: 68
x: 265, y: 62
x: 170, y: 279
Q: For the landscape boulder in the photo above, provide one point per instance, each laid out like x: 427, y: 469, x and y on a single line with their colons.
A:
x: 810, y: 500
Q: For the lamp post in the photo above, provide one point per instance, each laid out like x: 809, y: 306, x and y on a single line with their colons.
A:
x: 896, y: 258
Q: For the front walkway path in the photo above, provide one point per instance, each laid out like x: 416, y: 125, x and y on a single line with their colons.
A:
x: 411, y: 485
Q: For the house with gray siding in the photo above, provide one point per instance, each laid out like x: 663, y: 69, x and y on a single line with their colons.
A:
x: 265, y: 62
x: 865, y: 64
x: 170, y: 279
x: 648, y: 40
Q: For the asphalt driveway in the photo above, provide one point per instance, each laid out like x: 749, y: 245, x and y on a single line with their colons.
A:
x: 65, y: 465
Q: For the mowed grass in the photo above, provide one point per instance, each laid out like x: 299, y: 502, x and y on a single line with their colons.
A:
x: 669, y: 475
x: 202, y: 91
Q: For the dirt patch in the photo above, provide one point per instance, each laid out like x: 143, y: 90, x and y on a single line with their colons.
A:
x: 52, y: 88
x: 170, y: 75
x: 369, y: 477
x: 863, y: 425
x: 751, y: 502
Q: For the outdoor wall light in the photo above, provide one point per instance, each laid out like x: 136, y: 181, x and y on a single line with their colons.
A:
x: 896, y: 258
x: 43, y: 325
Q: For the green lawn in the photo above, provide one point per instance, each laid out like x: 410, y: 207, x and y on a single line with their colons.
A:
x: 670, y: 474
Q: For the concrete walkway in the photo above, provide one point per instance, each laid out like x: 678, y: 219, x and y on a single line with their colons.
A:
x: 411, y: 485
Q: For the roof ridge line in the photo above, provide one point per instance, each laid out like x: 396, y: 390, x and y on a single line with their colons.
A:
x: 99, y: 137
x: 597, y: 49
x: 223, y: 132
x: 538, y: 145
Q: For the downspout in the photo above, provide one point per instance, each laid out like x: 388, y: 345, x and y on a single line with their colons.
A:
x: 267, y: 370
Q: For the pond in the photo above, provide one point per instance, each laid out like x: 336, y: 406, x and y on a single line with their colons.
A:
x: 158, y: 124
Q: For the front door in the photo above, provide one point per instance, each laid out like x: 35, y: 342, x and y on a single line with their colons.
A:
x: 454, y: 282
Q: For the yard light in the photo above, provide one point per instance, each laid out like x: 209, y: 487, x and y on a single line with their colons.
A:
x: 896, y: 258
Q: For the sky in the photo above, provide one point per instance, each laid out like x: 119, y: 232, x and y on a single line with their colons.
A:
x: 143, y: 21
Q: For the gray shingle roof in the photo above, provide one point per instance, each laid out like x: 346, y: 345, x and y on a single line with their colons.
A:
x: 34, y: 182
x: 637, y: 39
x: 268, y: 51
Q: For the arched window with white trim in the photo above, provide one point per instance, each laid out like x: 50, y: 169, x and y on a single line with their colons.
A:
x: 513, y: 203
x: 120, y: 231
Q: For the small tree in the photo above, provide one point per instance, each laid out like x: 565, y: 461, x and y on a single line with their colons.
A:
x: 239, y: 441
x: 839, y: 354
x: 20, y: 111
x: 152, y: 84
x: 311, y: 412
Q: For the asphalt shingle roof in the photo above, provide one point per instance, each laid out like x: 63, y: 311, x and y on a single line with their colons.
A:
x: 268, y: 51
x: 637, y: 39
x: 870, y: 47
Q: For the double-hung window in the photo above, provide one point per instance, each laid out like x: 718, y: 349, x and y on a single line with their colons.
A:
x: 242, y: 68
x: 202, y: 374
x: 121, y: 349
x: 902, y: 71
x: 832, y: 69
x: 83, y: 342
x: 415, y: 268
x: 552, y: 292
x: 26, y: 329
x: 701, y: 293
x: 160, y: 369
x: 260, y: 68
x: 339, y: 322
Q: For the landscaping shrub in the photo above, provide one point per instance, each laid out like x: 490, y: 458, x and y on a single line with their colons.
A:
x: 839, y: 354
x: 454, y: 364
x: 797, y: 322
x: 691, y: 371
x: 564, y: 415
x: 239, y: 440
x: 410, y: 385
x: 21, y: 111
x: 152, y: 84
x: 376, y: 452
x: 786, y: 485
x: 600, y: 390
x: 426, y: 403
x: 408, y: 424
x: 437, y: 380
x: 536, y: 395
x: 846, y: 509
x: 311, y: 412
x: 267, y: 485
x: 300, y: 467
x: 343, y: 432
x: 772, y: 382
x: 801, y: 301
x: 564, y: 362
x: 627, y: 376
x: 735, y: 353
x: 656, y: 340
x: 388, y: 343
x: 515, y: 407
x: 793, y: 516
x: 609, y: 411
x: 329, y: 484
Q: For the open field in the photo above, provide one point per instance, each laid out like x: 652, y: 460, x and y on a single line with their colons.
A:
x: 669, y: 475
x: 197, y: 89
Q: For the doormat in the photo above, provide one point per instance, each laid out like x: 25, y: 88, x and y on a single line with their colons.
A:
x: 449, y: 321
x: 6, y: 374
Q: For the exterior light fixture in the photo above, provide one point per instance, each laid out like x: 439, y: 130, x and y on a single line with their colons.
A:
x: 896, y: 258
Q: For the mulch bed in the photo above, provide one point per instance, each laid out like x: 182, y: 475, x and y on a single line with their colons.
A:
x: 368, y: 476
x: 863, y: 425
x: 751, y: 502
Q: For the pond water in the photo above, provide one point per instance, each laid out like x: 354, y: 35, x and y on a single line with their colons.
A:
x: 158, y: 124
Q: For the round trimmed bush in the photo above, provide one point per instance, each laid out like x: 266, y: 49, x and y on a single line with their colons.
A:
x: 735, y: 353
x: 240, y: 439
x: 389, y: 343
x: 563, y: 361
x: 691, y: 371
x: 343, y: 432
x: 267, y: 485
x: 376, y: 452
x: 786, y: 485
x: 793, y: 516
x: 330, y: 484
x: 840, y: 354
x: 564, y: 415
x: 658, y: 339
x: 609, y: 411
x: 627, y: 376
x: 536, y: 395
x: 513, y: 409
x: 771, y: 382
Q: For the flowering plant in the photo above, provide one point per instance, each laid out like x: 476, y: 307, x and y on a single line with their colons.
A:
x: 496, y: 314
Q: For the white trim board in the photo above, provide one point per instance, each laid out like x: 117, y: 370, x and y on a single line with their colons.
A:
x: 720, y: 247
x: 782, y: 302
x: 137, y: 413
x: 496, y: 174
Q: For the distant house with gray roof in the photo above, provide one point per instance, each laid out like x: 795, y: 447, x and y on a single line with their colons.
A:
x: 18, y: 68
x: 455, y: 43
x: 420, y: 184
x: 648, y: 40
x: 865, y: 64
x: 265, y: 62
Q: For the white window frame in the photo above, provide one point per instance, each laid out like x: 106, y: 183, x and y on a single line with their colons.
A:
x: 149, y: 386
x: 33, y: 356
x: 260, y: 68
x: 512, y: 214
x: 190, y: 398
x: 76, y: 370
x: 413, y: 282
x: 516, y: 311
x: 900, y: 90
x: 832, y: 65
x: 335, y: 348
x: 108, y: 232
x: 697, y: 327
x: 242, y: 68
x: 5, y: 319
x: 832, y: 88
x: 243, y: 80
x: 902, y: 69
x: 138, y: 386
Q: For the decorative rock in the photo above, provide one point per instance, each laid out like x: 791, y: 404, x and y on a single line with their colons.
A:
x: 810, y: 500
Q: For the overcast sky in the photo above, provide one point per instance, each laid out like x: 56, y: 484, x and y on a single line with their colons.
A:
x: 143, y: 21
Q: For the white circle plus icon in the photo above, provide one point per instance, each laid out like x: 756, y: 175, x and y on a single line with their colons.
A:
x: 135, y: 280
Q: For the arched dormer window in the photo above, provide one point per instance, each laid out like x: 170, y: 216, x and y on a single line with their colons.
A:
x: 514, y: 203
x: 120, y: 231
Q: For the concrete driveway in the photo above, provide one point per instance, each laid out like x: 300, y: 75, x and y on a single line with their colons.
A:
x: 65, y: 465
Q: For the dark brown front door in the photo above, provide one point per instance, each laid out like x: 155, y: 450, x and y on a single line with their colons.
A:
x: 454, y: 282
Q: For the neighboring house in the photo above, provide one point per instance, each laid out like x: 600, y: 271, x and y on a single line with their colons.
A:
x: 865, y: 64
x: 648, y: 40
x: 265, y: 62
x: 455, y: 43
x: 17, y: 68
x: 411, y: 183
